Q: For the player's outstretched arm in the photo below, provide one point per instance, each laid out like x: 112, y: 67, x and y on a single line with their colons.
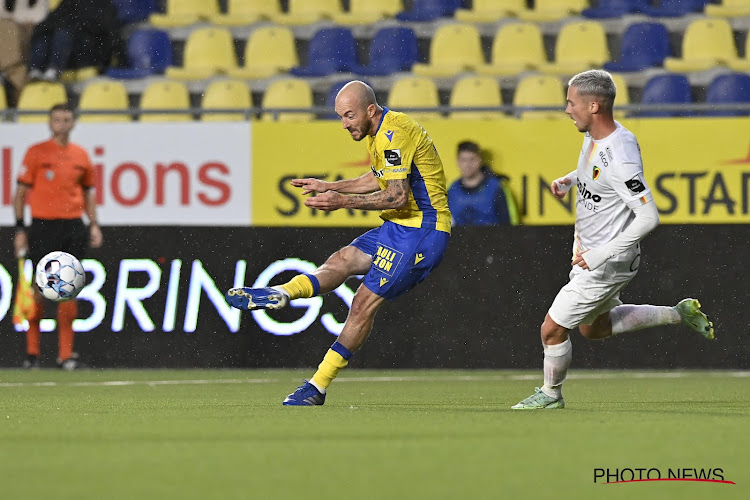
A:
x: 561, y: 186
x: 366, y: 183
x: 395, y: 195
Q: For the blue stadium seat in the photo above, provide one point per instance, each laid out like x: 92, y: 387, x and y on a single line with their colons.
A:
x: 667, y: 89
x: 134, y: 11
x: 726, y: 89
x: 149, y: 52
x: 672, y: 8
x: 607, y: 9
x: 331, y: 50
x: 429, y: 10
x: 643, y: 45
x: 392, y: 49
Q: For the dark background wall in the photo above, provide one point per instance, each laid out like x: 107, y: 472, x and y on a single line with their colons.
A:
x: 481, y: 309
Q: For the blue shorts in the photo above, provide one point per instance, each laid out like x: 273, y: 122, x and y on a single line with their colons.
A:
x: 401, y: 257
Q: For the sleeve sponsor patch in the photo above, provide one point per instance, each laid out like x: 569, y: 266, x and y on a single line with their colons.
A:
x: 392, y: 157
x: 635, y: 185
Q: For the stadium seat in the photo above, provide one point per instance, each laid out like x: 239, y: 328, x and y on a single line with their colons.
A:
x: 79, y: 74
x: 455, y: 48
x: 429, y: 10
x: 579, y: 46
x: 331, y: 50
x: 540, y: 90
x: 608, y: 9
x: 672, y: 8
x: 208, y: 52
x: 742, y: 64
x: 708, y: 42
x: 392, y: 49
x: 226, y: 94
x: 246, y: 12
x: 289, y: 93
x: 134, y: 11
x: 623, y: 95
x: 40, y: 96
x: 517, y: 47
x: 490, y: 11
x: 414, y: 92
x: 728, y: 89
x: 149, y: 52
x: 368, y: 12
x: 728, y: 8
x: 3, y: 100
x: 476, y: 92
x: 553, y: 10
x: 185, y: 12
x: 303, y: 12
x: 101, y: 95
x: 269, y: 50
x: 165, y: 95
x: 666, y: 89
x: 643, y: 45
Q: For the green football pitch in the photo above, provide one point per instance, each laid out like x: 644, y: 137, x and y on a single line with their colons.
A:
x: 223, y: 434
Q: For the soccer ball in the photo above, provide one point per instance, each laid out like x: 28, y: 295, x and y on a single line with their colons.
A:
x: 60, y: 276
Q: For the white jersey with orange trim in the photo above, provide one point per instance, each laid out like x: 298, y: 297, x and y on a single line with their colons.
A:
x: 610, y: 185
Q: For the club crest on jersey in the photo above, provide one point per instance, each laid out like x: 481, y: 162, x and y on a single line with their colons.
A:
x: 392, y: 157
x: 596, y: 173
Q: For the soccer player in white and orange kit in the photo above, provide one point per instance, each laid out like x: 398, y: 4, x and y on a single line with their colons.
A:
x: 614, y: 212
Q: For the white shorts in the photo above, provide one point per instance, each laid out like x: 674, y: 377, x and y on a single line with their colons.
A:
x: 589, y: 294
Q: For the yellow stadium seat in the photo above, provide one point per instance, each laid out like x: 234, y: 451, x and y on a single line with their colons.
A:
x: 540, y: 90
x: 309, y: 11
x: 163, y: 95
x: 708, y: 42
x: 245, y: 12
x: 744, y: 63
x: 208, y: 52
x: 553, y: 10
x: 368, y: 12
x: 289, y: 93
x: 79, y: 75
x: 101, y: 95
x: 185, y: 12
x: 623, y: 97
x: 226, y: 94
x: 728, y: 8
x: 455, y: 48
x: 415, y: 92
x: 269, y: 50
x: 489, y: 11
x: 579, y: 46
x: 3, y: 101
x: 40, y: 96
x: 476, y: 92
x: 517, y: 47
x: 53, y: 4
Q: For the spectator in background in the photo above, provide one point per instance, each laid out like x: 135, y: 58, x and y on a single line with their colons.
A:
x: 77, y: 34
x: 17, y: 19
x: 479, y: 197
x: 62, y: 178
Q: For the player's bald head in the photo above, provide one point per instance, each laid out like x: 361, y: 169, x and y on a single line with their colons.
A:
x: 356, y: 94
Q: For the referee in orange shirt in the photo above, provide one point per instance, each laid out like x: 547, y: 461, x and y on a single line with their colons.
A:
x: 62, y: 178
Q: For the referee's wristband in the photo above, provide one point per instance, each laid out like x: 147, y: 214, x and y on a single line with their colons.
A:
x: 20, y: 226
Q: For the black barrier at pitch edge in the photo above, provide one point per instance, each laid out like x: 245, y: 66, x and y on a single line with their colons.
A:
x: 481, y: 309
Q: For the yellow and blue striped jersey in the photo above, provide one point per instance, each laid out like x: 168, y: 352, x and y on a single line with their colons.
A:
x: 401, y: 149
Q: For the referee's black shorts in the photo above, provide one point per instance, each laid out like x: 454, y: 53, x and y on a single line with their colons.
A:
x: 49, y: 235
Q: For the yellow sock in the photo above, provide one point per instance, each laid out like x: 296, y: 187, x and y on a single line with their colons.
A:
x: 300, y: 287
x: 332, y: 363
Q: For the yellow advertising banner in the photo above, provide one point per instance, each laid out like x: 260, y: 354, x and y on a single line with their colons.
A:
x: 698, y: 168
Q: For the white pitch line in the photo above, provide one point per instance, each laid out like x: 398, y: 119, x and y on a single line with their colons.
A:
x: 406, y: 378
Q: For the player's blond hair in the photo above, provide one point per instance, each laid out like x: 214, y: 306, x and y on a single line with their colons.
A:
x: 597, y: 83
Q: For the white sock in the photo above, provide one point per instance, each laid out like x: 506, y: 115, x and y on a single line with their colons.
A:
x: 556, y: 362
x: 320, y: 389
x: 628, y: 318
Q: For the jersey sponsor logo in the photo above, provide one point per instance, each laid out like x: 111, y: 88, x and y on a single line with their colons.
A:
x: 597, y: 171
x: 635, y: 185
x: 603, y: 158
x: 586, y: 194
x: 418, y: 258
x: 392, y: 157
x: 383, y: 281
x: 389, y: 134
x: 386, y: 259
x: 609, y: 153
x: 376, y: 173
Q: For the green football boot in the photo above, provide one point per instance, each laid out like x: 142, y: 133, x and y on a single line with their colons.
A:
x: 539, y: 401
x: 693, y: 317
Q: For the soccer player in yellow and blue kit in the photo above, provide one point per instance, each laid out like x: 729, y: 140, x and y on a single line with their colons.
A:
x: 407, y: 183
